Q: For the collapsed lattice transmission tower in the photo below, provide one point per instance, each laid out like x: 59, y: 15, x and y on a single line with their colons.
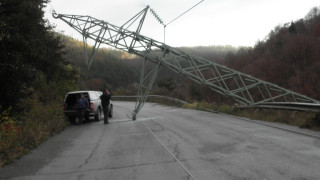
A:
x: 241, y: 87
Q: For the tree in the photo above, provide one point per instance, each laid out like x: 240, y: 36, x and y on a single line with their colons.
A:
x: 292, y: 28
x: 29, y: 49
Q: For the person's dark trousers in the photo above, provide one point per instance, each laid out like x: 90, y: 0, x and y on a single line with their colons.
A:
x: 80, y: 115
x: 105, y: 114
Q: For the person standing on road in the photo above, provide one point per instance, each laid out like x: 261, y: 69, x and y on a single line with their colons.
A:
x: 105, y: 101
x: 82, y: 105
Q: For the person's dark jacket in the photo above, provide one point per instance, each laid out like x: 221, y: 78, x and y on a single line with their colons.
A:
x: 82, y: 103
x: 105, y: 99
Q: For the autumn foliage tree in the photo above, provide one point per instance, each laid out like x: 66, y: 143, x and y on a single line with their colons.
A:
x: 289, y: 57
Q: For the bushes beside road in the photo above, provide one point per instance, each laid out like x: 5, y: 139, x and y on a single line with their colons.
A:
x: 302, y: 119
x: 33, y: 120
x: 22, y: 132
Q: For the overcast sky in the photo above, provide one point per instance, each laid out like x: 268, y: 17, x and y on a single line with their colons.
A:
x: 212, y: 22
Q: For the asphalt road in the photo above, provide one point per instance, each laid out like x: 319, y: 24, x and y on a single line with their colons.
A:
x: 172, y: 143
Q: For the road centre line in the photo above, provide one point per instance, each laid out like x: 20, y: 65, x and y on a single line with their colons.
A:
x: 167, y: 149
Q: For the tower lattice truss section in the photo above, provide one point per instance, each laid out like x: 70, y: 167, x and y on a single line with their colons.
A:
x: 241, y: 87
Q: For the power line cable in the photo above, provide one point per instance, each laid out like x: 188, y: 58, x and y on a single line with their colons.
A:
x: 184, y: 13
x: 165, y: 25
x: 52, y: 10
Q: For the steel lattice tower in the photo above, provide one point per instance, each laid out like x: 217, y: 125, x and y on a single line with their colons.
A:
x: 241, y: 87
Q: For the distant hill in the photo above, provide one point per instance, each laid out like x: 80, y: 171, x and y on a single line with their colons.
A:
x: 120, y: 71
x: 288, y: 57
x: 110, y: 68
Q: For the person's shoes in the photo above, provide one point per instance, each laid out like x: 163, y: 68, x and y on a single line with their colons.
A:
x: 106, y: 122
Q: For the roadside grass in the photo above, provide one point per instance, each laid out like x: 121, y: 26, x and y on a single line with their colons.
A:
x: 302, y: 119
x: 21, y: 132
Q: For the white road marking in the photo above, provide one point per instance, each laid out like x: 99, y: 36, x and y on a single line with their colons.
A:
x: 174, y: 157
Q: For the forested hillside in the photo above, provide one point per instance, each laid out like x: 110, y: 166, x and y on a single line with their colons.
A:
x: 110, y: 68
x: 34, y: 78
x: 289, y: 57
x: 30, y: 52
x: 120, y: 71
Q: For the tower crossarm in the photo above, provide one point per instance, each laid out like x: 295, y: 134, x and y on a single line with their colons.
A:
x: 241, y: 87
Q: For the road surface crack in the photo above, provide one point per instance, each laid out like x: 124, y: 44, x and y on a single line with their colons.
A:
x: 176, y: 151
x: 94, y: 149
x: 103, y: 169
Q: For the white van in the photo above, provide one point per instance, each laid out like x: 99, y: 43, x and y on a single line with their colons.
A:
x: 95, y: 110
